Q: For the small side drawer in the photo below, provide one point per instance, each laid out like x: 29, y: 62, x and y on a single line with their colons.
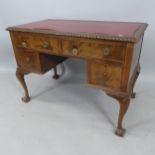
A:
x: 107, y: 75
x: 34, y: 41
x: 94, y: 49
x: 28, y: 60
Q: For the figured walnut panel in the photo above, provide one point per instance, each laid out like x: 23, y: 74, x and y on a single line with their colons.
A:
x: 94, y: 49
x: 105, y: 74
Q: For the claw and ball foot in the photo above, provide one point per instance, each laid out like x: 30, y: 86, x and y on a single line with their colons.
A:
x: 20, y: 76
x: 120, y: 132
x: 133, y: 95
x: 26, y: 99
x: 55, y: 76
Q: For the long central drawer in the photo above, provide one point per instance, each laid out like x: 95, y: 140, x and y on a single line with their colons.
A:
x: 94, y: 49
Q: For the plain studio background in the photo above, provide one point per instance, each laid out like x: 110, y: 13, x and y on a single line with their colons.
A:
x: 66, y: 117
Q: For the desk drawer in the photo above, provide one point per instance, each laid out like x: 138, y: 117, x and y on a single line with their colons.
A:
x: 28, y: 60
x: 38, y: 42
x: 94, y: 50
x: 107, y: 75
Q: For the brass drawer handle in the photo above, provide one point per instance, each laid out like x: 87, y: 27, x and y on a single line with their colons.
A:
x: 74, y: 51
x: 46, y: 44
x: 24, y: 44
x: 105, y: 74
x: 106, y: 51
x: 28, y: 60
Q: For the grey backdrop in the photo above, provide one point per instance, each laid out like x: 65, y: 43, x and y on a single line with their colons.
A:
x: 14, y: 12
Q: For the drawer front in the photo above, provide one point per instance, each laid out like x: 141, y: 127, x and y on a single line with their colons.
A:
x: 107, y: 75
x: 93, y: 50
x: 28, y: 60
x: 39, y: 42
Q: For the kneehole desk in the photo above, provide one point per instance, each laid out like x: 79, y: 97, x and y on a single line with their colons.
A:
x: 111, y: 49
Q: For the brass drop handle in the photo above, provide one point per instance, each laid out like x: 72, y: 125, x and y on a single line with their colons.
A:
x: 24, y: 44
x: 46, y: 44
x: 105, y: 74
x: 74, y: 51
x: 106, y: 51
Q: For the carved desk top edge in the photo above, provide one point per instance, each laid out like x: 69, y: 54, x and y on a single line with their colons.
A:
x: 138, y: 33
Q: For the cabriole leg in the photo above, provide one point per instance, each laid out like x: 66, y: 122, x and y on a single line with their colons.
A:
x: 124, y: 104
x: 20, y: 76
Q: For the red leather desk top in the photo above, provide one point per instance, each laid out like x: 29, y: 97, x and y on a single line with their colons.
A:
x: 87, y: 28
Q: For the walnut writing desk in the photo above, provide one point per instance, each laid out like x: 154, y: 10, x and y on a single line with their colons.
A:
x: 111, y: 49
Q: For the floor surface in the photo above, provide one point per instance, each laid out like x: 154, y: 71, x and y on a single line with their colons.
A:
x: 67, y: 117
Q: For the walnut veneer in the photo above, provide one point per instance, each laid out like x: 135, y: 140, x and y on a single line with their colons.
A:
x: 111, y: 49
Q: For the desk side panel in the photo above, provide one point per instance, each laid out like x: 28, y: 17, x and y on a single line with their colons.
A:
x: 135, y: 66
x: 135, y: 57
